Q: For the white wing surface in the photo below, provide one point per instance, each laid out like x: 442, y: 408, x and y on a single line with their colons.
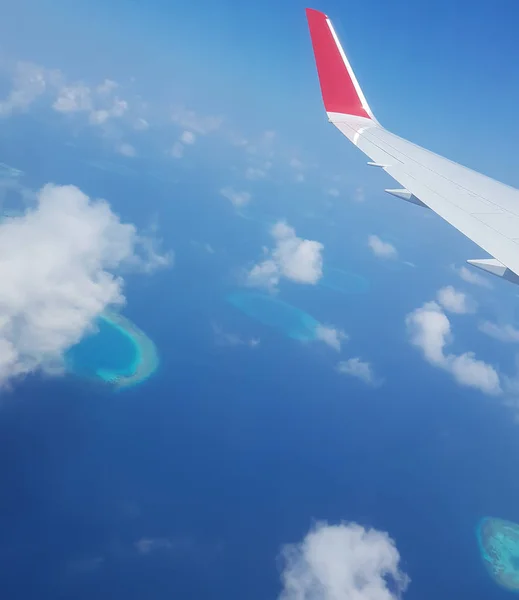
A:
x: 484, y: 210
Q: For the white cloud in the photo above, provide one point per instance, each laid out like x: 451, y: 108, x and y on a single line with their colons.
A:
x: 359, y: 195
x: 29, y: 82
x: 264, y: 274
x: 73, y: 98
x: 331, y: 336
x: 101, y: 116
x: 342, y: 562
x: 141, y: 124
x: 333, y: 192
x: 292, y: 257
x: 224, y: 338
x: 429, y: 329
x: 255, y: 173
x: 98, y: 117
x: 381, y: 248
x: 503, y: 333
x: 188, y: 137
x: 177, y: 150
x: 126, y: 150
x: 237, y: 198
x: 58, y: 265
x: 201, y: 124
x: 355, y: 367
x: 119, y: 107
x: 454, y: 301
x: 107, y: 87
x: 470, y: 276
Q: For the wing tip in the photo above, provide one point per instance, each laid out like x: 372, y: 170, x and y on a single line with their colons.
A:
x: 339, y: 87
x: 315, y: 12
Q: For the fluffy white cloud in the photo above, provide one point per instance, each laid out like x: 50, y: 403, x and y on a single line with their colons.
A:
x: 503, y: 333
x: 98, y: 102
x: 331, y: 336
x: 58, y: 265
x: 342, y: 562
x: 470, y: 276
x: 237, y: 198
x: 454, y: 301
x: 381, y: 248
x: 355, y: 367
x: 333, y: 192
x: 429, y: 329
x: 126, y: 150
x: 292, y: 257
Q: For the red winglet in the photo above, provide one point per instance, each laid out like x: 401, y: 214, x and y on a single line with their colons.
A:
x: 339, y: 87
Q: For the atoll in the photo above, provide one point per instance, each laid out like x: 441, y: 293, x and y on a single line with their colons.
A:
x: 117, y: 353
x: 292, y: 321
x: 343, y: 281
x: 499, y: 546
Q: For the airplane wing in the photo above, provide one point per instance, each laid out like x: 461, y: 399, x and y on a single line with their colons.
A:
x: 483, y: 209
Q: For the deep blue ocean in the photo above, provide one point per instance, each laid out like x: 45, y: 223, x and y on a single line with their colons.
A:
x: 188, y: 485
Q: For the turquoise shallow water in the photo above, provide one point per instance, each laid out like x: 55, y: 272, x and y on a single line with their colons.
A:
x: 104, y: 354
x: 118, y: 352
x: 292, y: 321
x: 499, y: 547
x: 344, y: 281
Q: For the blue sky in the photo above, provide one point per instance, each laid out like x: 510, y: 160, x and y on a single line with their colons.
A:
x: 202, y: 126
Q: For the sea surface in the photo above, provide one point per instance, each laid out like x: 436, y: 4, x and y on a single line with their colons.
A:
x: 188, y: 485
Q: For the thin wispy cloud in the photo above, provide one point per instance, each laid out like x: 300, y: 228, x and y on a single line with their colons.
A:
x: 233, y: 340
x: 30, y: 81
x: 126, y: 150
x: 504, y: 333
x: 193, y: 121
x: 471, y: 276
x: 255, y: 173
x: 237, y: 197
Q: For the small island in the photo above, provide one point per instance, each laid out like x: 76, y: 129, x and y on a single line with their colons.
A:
x: 117, y: 353
x: 499, y: 546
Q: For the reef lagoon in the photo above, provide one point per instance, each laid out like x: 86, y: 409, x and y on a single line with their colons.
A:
x: 343, y: 281
x: 117, y: 353
x: 499, y: 546
x: 292, y: 321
